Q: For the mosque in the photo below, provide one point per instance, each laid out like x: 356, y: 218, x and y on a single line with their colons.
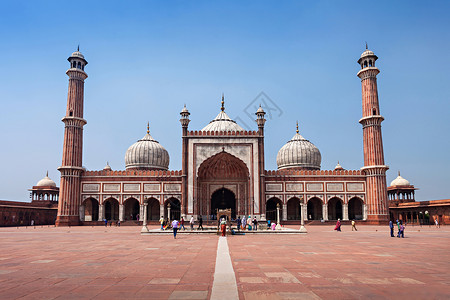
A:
x: 222, y: 167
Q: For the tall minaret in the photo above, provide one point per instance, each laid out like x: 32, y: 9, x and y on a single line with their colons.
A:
x: 260, y: 120
x: 184, y: 168
x: 374, y: 167
x: 72, y: 167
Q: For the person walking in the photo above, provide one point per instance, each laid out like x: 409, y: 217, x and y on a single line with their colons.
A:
x: 338, y: 225
x: 436, y: 222
x: 402, y: 231
x: 354, y: 225
x: 244, y: 222
x: 238, y: 223
x: 162, y: 222
x: 255, y: 224
x: 106, y: 222
x: 191, y: 222
x: 200, y: 222
x: 391, y: 227
x: 182, y: 224
x: 249, y: 222
x: 175, y: 224
x: 398, y: 227
x: 223, y: 226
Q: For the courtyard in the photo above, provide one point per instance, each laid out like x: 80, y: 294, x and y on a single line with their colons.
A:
x: 119, y: 262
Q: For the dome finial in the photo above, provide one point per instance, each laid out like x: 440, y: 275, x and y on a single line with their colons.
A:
x: 367, y: 46
x: 297, y: 127
x: 46, y: 175
x: 399, y: 173
x: 223, y: 103
x: 148, y: 127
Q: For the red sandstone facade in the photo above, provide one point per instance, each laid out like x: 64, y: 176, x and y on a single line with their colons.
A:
x: 223, y: 167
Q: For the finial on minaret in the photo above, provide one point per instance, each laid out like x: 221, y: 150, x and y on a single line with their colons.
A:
x: 223, y: 103
x: 148, y: 127
x: 78, y: 49
x: 367, y: 46
x: 398, y: 173
x: 297, y: 127
x: 46, y: 174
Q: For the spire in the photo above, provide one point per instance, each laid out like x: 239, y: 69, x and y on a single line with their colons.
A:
x: 398, y: 173
x: 78, y: 49
x: 297, y: 127
x: 148, y: 127
x: 46, y: 174
x: 223, y: 103
x: 367, y: 46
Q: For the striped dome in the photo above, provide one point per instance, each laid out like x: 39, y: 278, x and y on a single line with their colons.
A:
x: 299, y: 153
x: 147, y: 153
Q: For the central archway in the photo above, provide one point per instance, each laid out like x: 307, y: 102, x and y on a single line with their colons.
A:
x: 222, y: 199
x: 223, y: 182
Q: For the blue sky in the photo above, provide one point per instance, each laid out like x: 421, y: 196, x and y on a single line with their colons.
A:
x: 148, y: 58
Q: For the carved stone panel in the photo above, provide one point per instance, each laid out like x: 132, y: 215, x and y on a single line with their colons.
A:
x: 355, y: 187
x: 314, y: 187
x: 91, y: 187
x: 172, y: 187
x: 294, y: 187
x: 274, y: 187
x: 111, y: 187
x: 335, y: 187
x: 131, y: 187
x: 152, y: 187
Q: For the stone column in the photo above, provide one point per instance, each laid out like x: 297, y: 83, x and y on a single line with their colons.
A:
x: 81, y: 212
x: 141, y: 212
x: 345, y: 212
x: 325, y: 212
x: 278, y: 213
x: 121, y: 212
x: 101, y: 212
x: 144, y: 223
x: 284, y: 212
x: 364, y: 211
x: 168, y: 212
x: 302, y: 218
x: 305, y: 211
x: 161, y: 211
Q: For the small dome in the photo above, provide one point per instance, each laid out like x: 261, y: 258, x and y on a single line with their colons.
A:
x: 46, y: 181
x: 338, y: 167
x: 260, y: 110
x: 367, y: 53
x: 77, y: 54
x: 222, y: 123
x: 184, y: 110
x: 299, y: 153
x: 147, y: 153
x: 399, y: 181
x: 107, y: 167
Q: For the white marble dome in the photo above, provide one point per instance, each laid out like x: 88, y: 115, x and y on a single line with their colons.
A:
x: 147, y: 154
x: 222, y: 123
x: 399, y: 181
x: 46, y: 181
x: 77, y: 54
x: 299, y: 153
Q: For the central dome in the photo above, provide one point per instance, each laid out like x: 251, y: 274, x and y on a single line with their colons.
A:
x: 222, y: 122
x: 299, y: 153
x: 147, y: 154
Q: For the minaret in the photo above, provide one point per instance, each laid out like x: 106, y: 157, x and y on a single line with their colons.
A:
x: 374, y: 167
x: 260, y: 120
x: 184, y: 168
x: 72, y: 167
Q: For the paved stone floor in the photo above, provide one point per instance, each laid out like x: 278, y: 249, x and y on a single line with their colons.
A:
x: 111, y: 263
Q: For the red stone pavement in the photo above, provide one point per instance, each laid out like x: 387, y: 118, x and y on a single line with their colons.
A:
x: 110, y: 263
